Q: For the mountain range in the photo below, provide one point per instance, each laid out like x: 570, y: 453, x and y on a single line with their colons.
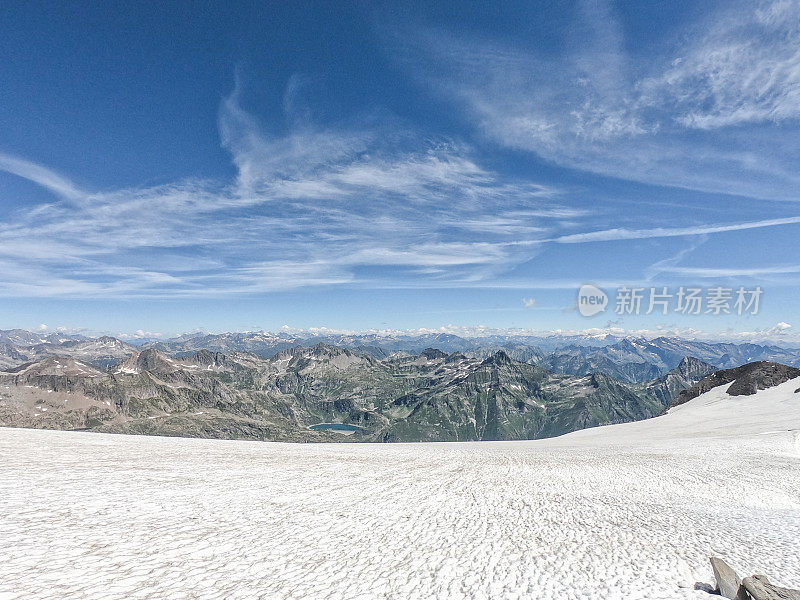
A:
x: 365, y: 387
x: 325, y: 392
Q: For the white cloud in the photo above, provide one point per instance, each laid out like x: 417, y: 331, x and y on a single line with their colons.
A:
x: 39, y: 175
x: 635, y: 234
x: 314, y: 207
x: 714, y: 272
x: 648, y: 117
x: 742, y: 68
x: 140, y: 334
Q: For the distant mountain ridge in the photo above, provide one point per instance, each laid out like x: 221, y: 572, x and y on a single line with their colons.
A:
x: 631, y: 360
x: 18, y: 347
x: 637, y: 359
x: 634, y: 360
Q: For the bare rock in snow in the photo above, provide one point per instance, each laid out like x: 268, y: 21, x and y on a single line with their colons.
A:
x: 756, y: 587
x: 728, y: 582
x: 760, y: 588
x: 744, y: 381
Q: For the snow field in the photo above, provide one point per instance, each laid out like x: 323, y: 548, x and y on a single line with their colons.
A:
x: 630, y: 511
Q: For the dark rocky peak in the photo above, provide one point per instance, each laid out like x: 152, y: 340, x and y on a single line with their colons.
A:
x: 598, y: 379
x: 322, y: 350
x: 628, y: 344
x: 760, y: 376
x: 433, y: 354
x: 498, y: 358
x: 693, y: 368
x: 375, y: 352
x: 146, y: 360
x: 208, y: 358
x: 150, y: 359
x: 744, y: 381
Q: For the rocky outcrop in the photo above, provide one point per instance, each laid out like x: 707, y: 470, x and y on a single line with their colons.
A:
x: 729, y: 584
x: 745, y: 380
x: 757, y: 587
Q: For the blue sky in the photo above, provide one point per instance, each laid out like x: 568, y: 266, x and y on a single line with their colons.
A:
x: 395, y: 166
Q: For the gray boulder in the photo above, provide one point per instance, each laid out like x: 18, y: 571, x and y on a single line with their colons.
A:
x: 728, y: 582
x: 759, y: 587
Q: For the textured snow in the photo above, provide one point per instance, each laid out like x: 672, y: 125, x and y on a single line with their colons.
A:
x: 628, y: 511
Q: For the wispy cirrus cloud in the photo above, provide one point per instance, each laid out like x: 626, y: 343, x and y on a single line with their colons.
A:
x: 40, y: 175
x: 374, y: 202
x: 314, y: 207
x: 616, y: 234
x: 718, y: 113
x: 716, y: 273
x: 743, y: 68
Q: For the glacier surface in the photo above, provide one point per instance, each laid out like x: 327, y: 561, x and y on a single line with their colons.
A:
x: 625, y: 511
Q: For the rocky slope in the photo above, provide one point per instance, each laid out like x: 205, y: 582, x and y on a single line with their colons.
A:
x: 503, y: 399
x: 744, y: 381
x: 689, y: 372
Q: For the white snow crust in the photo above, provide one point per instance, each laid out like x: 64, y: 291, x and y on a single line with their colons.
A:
x: 620, y: 512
